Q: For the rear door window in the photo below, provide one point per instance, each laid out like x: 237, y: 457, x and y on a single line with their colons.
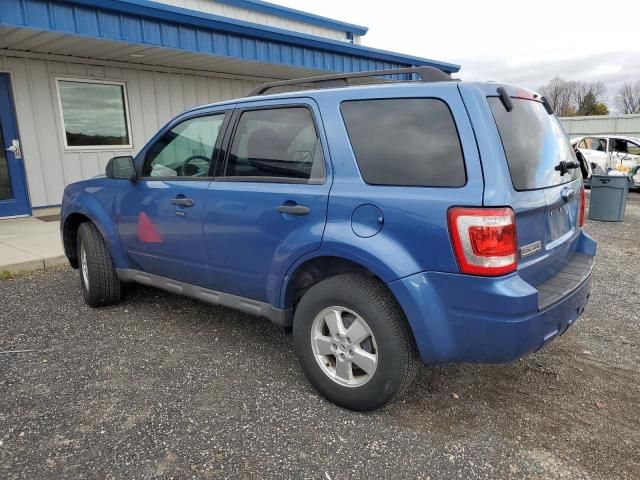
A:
x: 534, y: 144
x: 407, y: 142
x: 276, y: 144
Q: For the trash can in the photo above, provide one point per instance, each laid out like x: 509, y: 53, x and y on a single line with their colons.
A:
x: 608, y: 197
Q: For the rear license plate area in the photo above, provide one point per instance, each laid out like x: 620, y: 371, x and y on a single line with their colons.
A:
x: 559, y: 221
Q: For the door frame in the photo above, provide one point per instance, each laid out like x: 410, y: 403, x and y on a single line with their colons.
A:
x: 20, y: 204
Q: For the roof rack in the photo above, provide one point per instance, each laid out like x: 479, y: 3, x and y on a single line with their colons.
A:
x: 426, y: 74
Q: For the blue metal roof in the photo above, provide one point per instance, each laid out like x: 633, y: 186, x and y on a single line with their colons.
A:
x: 154, y: 24
x: 292, y: 14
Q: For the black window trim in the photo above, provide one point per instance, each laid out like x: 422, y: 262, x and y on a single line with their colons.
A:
x: 455, y: 124
x: 215, y: 156
x: 231, y: 133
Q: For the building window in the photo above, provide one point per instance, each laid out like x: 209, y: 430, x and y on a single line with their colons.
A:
x: 94, y: 114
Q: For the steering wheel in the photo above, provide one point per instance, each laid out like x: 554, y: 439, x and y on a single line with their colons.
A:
x: 188, y: 163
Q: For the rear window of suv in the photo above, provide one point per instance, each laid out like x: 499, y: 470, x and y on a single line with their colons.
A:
x: 406, y: 142
x: 534, y: 144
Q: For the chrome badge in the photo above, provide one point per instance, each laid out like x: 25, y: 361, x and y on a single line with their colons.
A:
x: 568, y: 194
x: 530, y: 249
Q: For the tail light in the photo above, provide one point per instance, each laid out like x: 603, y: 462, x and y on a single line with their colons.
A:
x: 582, y: 206
x: 484, y: 240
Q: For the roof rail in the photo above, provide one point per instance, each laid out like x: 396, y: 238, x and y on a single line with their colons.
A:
x: 426, y: 74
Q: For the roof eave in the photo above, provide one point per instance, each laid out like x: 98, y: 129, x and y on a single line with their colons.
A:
x: 206, y: 20
x: 293, y: 14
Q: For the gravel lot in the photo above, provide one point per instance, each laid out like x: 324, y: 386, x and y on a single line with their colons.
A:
x: 161, y: 386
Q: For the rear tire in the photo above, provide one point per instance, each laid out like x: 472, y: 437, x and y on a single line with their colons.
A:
x: 353, y: 342
x: 100, y: 284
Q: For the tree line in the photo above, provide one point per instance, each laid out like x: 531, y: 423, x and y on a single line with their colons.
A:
x: 570, y: 98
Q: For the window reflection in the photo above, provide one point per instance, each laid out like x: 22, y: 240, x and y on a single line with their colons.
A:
x: 94, y: 114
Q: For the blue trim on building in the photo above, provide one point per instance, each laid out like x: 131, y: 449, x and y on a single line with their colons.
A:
x: 292, y: 14
x: 159, y: 25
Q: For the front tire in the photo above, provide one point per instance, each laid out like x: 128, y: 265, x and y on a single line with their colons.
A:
x: 100, y: 284
x: 353, y: 342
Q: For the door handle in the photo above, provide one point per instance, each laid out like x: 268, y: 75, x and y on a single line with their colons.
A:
x: 184, y: 202
x: 15, y: 149
x: 294, y: 209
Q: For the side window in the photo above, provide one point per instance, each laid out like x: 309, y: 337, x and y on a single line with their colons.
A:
x: 411, y: 142
x: 633, y: 148
x: 186, y: 150
x: 278, y: 142
x: 583, y: 143
x: 597, y: 144
x: 618, y: 145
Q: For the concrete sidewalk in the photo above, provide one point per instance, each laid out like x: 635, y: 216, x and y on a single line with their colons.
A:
x: 29, y: 244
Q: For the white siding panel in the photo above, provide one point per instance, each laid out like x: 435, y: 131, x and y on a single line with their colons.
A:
x: 136, y: 107
x: 153, y: 99
x: 163, y: 93
x: 90, y: 164
x: 49, y: 137
x: 625, y: 125
x: 239, y: 13
x: 189, y: 91
x: 73, y: 165
x: 148, y: 95
x: 176, y: 94
x: 77, y: 69
x: 28, y: 126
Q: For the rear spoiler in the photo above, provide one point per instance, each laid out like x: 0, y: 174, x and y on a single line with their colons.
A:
x: 508, y: 103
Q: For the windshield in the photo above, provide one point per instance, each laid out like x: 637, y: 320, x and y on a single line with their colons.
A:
x: 534, y: 144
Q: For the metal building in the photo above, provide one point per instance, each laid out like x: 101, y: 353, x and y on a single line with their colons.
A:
x: 84, y: 80
x: 624, y: 125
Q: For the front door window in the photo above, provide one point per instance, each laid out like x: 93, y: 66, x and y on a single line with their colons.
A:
x: 186, y: 150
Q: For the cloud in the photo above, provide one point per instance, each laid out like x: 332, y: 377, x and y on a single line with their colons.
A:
x: 611, y: 68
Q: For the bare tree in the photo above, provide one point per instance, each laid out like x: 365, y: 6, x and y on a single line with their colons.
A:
x: 597, y: 89
x: 628, y: 98
x: 561, y: 94
x: 567, y: 97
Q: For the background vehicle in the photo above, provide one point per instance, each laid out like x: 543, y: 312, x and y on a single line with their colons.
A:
x: 635, y: 176
x: 361, y: 217
x: 608, y: 151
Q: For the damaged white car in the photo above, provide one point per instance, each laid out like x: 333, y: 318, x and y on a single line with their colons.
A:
x: 610, y: 152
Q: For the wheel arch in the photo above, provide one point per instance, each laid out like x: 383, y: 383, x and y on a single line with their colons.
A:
x: 85, y: 208
x: 311, y: 270
x: 70, y: 234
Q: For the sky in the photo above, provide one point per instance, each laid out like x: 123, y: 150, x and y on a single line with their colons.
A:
x: 526, y: 43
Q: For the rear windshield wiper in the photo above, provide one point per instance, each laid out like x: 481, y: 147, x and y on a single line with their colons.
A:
x: 505, y: 99
x: 564, y: 167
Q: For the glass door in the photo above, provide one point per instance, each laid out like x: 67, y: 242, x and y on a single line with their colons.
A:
x: 14, y: 200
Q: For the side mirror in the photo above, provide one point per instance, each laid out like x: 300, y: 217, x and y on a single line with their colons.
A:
x: 121, y: 168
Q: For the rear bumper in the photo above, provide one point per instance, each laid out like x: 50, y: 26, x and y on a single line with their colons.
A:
x: 462, y: 318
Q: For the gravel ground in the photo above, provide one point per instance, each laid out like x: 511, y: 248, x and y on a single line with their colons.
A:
x: 165, y: 387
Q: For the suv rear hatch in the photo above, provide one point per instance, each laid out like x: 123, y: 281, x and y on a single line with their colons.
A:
x: 536, y: 173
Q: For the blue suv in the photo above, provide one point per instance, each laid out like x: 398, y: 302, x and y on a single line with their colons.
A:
x: 387, y: 223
